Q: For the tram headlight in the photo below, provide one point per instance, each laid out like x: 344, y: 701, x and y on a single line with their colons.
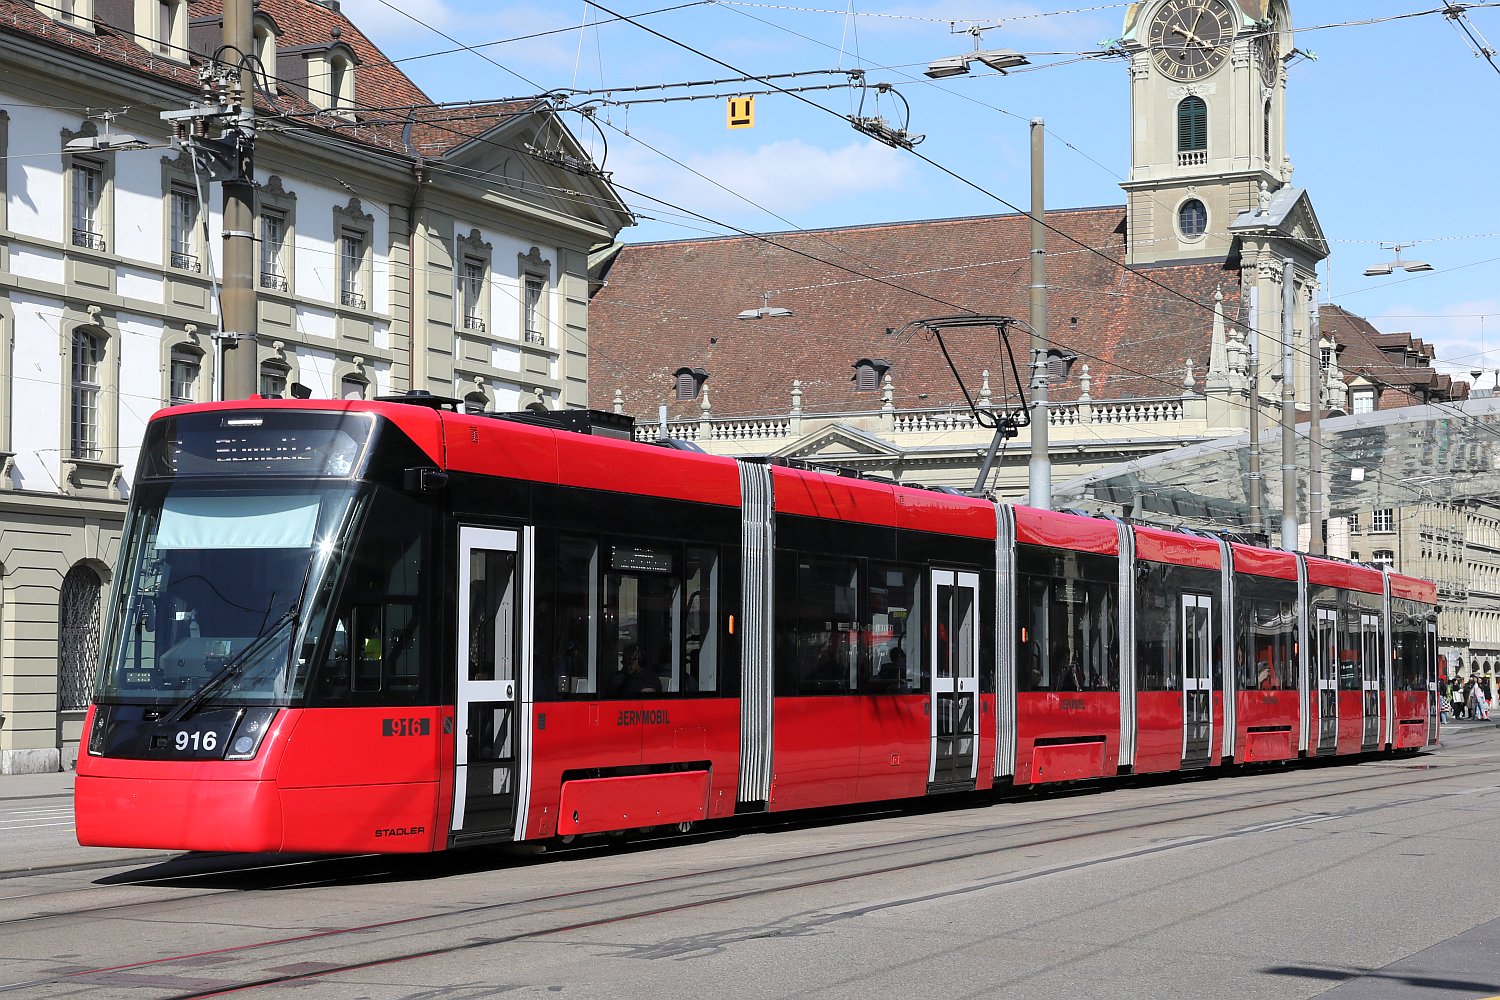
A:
x: 245, y: 740
x: 96, y: 732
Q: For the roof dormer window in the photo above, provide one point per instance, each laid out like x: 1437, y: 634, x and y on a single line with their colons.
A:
x: 265, y: 50
x: 330, y: 81
x: 689, y: 382
x: 162, y: 27
x: 868, y: 373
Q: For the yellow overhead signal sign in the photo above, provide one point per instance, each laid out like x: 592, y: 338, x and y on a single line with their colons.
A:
x: 742, y: 112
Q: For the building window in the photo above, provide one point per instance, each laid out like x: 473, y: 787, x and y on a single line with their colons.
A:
x: 869, y: 373
x: 88, y: 204
x: 1383, y: 520
x: 1364, y: 401
x: 1192, y: 219
x: 1354, y: 521
x: 162, y: 27
x: 183, y: 378
x: 352, y: 387
x: 1192, y: 132
x: 351, y: 270
x: 535, y: 287
x: 688, y: 382
x: 273, y: 270
x: 265, y: 51
x: 340, y: 84
x: 475, y: 402
x: 78, y: 637
x: 471, y: 293
x: 83, y: 436
x: 1266, y: 133
x: 184, y: 250
x: 273, y: 379
x: 1384, y: 557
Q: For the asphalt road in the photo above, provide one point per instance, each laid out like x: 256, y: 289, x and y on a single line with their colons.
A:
x: 1350, y: 881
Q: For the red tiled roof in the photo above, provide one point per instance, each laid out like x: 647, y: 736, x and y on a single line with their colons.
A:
x: 671, y: 305
x: 388, y: 96
x: 1388, y: 359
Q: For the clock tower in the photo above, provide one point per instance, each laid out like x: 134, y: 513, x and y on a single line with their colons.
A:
x: 1208, y: 122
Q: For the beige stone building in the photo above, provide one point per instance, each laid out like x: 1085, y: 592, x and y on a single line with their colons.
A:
x: 397, y: 249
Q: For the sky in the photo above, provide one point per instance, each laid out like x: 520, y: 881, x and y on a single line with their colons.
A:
x: 1391, y: 122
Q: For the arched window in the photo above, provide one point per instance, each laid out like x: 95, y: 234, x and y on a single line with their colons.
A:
x: 351, y: 387
x: 1192, y: 219
x: 868, y: 373
x: 688, y: 382
x: 78, y: 637
x: 475, y: 402
x: 1266, y: 137
x: 1192, y: 131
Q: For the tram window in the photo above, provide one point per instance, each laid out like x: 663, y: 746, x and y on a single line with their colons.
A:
x: 565, y: 628
x: 894, y: 628
x: 1068, y: 609
x: 493, y: 603
x: 1265, y: 656
x: 1410, y: 632
x: 700, y: 627
x: 1159, y: 591
x: 825, y: 629
x: 374, y: 651
x: 642, y: 603
x: 1351, y: 650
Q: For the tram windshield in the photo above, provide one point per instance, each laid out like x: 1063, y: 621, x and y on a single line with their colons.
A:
x: 213, y: 586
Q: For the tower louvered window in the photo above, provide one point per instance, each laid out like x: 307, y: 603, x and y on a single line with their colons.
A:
x: 1192, y: 132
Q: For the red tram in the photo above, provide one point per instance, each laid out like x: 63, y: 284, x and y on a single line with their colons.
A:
x: 393, y: 626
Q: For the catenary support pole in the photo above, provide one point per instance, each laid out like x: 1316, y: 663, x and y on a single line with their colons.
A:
x: 241, y: 368
x: 1040, y: 495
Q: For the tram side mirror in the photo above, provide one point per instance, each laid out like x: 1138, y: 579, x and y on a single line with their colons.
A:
x: 424, y: 480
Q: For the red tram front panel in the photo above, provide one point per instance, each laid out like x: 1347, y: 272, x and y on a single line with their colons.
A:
x: 346, y: 781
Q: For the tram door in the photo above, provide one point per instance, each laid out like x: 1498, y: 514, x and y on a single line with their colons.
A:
x: 954, y: 649
x: 1197, y: 679
x: 494, y: 602
x: 1328, y: 680
x: 1371, y: 666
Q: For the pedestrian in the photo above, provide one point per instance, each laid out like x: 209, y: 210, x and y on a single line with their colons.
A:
x: 1445, y: 706
x: 1479, y: 707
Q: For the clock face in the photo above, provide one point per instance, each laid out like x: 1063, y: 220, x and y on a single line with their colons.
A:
x: 1268, y: 48
x: 1190, y: 39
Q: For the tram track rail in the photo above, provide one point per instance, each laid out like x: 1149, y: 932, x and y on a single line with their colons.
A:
x: 551, y: 914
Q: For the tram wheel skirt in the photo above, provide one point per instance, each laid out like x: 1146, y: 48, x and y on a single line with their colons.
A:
x: 594, y: 805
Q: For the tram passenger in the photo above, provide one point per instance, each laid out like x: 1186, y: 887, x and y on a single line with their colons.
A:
x: 891, y: 677
x: 637, y: 681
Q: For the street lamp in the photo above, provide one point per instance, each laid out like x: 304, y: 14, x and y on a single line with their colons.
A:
x: 998, y: 60
x: 766, y: 310
x: 1381, y: 270
x: 109, y: 142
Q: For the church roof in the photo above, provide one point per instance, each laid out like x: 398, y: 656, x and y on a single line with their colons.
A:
x: 666, y: 306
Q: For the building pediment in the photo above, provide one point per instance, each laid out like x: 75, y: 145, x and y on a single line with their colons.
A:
x: 834, y: 443
x: 539, y: 160
x: 1285, y: 215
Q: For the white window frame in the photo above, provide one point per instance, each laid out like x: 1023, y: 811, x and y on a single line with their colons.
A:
x: 184, y: 234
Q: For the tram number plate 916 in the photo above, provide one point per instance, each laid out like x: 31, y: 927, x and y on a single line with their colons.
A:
x: 196, y: 743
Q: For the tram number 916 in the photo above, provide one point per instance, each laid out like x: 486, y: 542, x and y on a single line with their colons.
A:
x: 197, y: 741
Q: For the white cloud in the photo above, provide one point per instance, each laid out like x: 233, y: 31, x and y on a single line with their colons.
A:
x: 805, y: 184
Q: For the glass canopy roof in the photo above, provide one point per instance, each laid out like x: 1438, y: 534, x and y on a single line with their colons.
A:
x: 1435, y: 453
